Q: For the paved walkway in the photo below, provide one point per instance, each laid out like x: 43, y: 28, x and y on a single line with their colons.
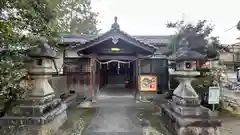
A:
x: 230, y: 126
x: 116, y: 115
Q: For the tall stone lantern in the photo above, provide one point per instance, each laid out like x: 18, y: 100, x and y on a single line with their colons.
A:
x: 40, y: 110
x: 184, y: 115
x: 41, y: 70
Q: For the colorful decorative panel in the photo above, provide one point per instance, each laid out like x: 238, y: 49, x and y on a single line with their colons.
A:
x: 147, y: 83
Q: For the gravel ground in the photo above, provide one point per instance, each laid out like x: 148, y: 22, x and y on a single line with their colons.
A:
x: 230, y: 126
x: 150, y: 121
x: 78, y: 119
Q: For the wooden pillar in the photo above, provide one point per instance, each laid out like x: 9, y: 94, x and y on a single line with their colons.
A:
x: 138, y: 73
x: 91, y: 78
x: 93, y: 86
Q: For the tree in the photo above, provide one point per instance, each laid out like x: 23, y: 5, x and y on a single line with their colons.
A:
x: 20, y: 21
x: 76, y: 17
x: 238, y: 25
x: 197, y: 35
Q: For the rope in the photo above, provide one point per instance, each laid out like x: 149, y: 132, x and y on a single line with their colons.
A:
x: 119, y: 61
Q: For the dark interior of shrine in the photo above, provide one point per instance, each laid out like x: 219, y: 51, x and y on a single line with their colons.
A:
x: 117, y: 75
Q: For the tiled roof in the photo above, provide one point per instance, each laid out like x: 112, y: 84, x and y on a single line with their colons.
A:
x: 118, y: 32
x: 83, y: 38
x: 152, y: 43
x: 154, y: 39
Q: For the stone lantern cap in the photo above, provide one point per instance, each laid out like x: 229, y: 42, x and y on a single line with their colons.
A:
x: 42, y: 50
x: 185, y: 54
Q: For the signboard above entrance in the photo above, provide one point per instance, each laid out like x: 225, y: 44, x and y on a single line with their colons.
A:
x: 147, y: 83
x: 115, y: 49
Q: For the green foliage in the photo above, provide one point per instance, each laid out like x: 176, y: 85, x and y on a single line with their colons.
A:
x: 202, y: 82
x: 76, y: 17
x: 197, y: 35
x: 12, y: 71
x: 29, y: 16
x: 21, y: 21
x: 238, y: 25
x: 210, y: 77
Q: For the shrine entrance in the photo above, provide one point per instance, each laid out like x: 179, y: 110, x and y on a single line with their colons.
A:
x: 117, y: 77
x: 114, y: 61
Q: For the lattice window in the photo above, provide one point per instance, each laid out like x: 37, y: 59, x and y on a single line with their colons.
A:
x: 86, y: 68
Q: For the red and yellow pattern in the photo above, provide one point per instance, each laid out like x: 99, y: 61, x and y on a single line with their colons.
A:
x: 147, y: 83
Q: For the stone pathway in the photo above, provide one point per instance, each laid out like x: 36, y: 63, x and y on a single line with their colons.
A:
x: 116, y: 115
x: 230, y: 126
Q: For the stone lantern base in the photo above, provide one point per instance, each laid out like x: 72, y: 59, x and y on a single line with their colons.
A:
x: 187, y: 117
x: 184, y: 115
x: 40, y: 113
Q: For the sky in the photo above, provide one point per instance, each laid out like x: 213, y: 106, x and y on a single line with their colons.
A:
x: 149, y: 17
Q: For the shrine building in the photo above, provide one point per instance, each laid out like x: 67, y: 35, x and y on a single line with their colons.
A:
x: 94, y: 62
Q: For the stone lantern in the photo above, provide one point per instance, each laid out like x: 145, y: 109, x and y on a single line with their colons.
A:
x: 184, y: 115
x: 185, y: 72
x: 41, y: 69
x: 39, y: 110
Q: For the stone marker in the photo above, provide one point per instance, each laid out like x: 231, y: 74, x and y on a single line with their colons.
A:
x: 39, y: 111
x: 184, y: 115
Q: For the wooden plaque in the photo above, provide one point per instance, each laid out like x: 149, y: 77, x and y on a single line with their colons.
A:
x: 147, y: 83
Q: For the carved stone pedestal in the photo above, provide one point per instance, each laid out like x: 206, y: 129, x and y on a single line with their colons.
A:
x: 187, y: 117
x: 31, y: 128
x: 30, y: 112
x: 189, y: 125
x: 184, y: 115
x: 36, y: 115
